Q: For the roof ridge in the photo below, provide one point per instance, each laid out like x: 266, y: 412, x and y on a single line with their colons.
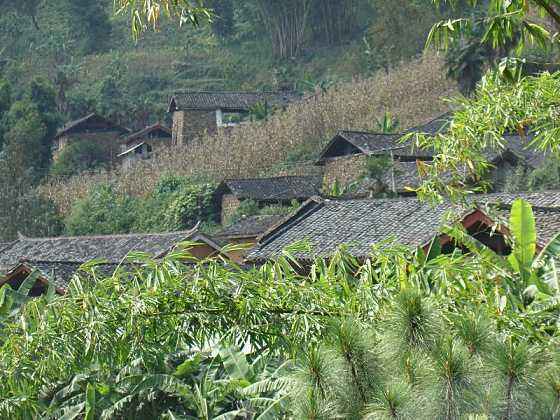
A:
x: 222, y: 92
x: 272, y: 177
x: 120, y: 235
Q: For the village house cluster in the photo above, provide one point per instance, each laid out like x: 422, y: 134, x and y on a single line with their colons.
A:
x: 355, y: 220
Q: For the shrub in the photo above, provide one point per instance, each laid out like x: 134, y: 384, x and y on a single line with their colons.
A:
x: 103, y: 211
x: 77, y: 157
x: 177, y: 203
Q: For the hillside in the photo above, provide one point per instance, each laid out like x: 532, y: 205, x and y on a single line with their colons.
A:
x: 355, y: 61
x: 414, y: 93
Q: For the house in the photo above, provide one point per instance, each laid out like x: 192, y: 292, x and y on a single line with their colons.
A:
x: 345, y: 157
x: 141, y: 144
x: 349, y: 158
x: 264, y: 191
x: 245, y: 232
x: 58, y: 259
x: 361, y: 223
x: 197, y: 112
x: 91, y: 128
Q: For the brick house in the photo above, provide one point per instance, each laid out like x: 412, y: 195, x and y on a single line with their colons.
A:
x: 91, y: 128
x: 264, y: 191
x: 141, y: 144
x: 197, y: 112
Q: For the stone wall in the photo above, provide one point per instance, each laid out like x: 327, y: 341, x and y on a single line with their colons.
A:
x: 189, y: 124
x: 344, y: 169
x: 229, y: 205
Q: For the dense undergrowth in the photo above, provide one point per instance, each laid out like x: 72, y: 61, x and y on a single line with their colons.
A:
x: 440, y: 336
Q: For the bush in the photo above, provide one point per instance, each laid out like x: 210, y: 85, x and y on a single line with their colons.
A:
x: 177, y: 203
x: 77, y: 157
x: 103, y: 211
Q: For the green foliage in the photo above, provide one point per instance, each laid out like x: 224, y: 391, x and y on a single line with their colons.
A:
x: 103, y: 211
x: 177, y: 203
x: 378, y: 166
x: 396, y: 334
x: 392, y: 37
x: 77, y: 157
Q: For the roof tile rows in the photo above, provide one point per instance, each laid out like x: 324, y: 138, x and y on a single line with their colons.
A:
x: 273, y: 189
x: 359, y: 224
x: 228, y: 101
x: 82, y: 123
x: 66, y: 254
x: 249, y: 227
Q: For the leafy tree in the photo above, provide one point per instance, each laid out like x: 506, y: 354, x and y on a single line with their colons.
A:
x: 144, y: 13
x: 5, y: 103
x: 90, y: 24
x: 103, y: 211
x: 506, y: 23
x: 223, y: 20
x: 79, y: 156
x: 177, y: 203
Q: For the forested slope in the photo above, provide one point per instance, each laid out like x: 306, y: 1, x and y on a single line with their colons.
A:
x: 62, y: 59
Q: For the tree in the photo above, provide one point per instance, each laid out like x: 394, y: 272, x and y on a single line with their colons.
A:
x: 286, y: 22
x: 5, y: 103
x: 144, y: 13
x: 104, y: 211
x: 79, y: 156
x: 506, y: 22
x: 223, y: 20
x: 24, y: 7
x: 90, y: 24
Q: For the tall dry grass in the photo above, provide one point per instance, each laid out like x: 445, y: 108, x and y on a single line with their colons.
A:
x: 412, y: 92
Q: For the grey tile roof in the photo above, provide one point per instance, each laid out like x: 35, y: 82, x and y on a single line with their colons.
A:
x: 228, y: 101
x: 519, y: 147
x: 66, y: 254
x: 157, y: 128
x: 249, y: 227
x: 82, y: 123
x: 370, y: 143
x: 328, y: 224
x: 273, y: 189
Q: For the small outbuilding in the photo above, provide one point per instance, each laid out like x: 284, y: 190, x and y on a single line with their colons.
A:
x: 264, y: 191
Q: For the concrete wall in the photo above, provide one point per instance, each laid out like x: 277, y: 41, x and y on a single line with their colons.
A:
x: 189, y: 124
x: 229, y: 205
x: 344, y: 169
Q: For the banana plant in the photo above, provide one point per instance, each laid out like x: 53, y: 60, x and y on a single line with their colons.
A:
x: 527, y: 275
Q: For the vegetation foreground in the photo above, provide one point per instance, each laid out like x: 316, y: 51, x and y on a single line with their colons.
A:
x: 466, y: 335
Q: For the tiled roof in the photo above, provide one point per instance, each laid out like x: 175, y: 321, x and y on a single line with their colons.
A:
x: 249, y: 227
x: 66, y: 254
x: 60, y: 273
x: 228, y: 101
x: 370, y: 143
x: 142, y: 134
x: 519, y: 147
x: 273, y: 189
x: 328, y: 224
x: 80, y: 123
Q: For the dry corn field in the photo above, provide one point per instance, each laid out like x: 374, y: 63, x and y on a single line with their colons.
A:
x: 413, y: 92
